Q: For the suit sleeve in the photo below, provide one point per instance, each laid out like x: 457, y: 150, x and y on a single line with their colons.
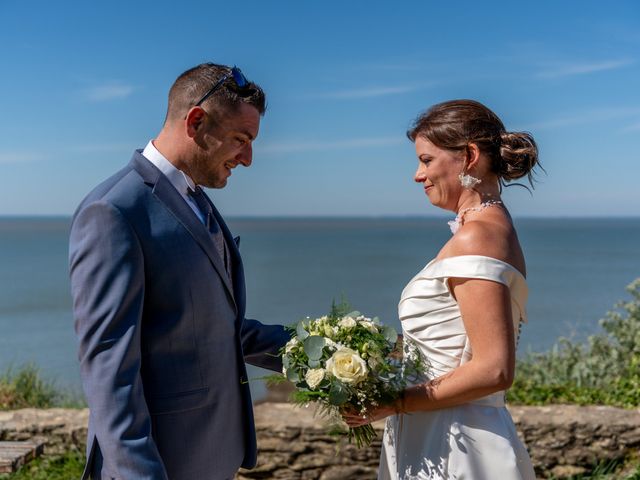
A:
x: 262, y: 343
x: 107, y: 286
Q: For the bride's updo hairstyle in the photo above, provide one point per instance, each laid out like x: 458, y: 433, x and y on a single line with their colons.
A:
x: 453, y: 125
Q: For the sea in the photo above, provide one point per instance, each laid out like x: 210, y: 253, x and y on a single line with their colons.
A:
x: 578, y: 269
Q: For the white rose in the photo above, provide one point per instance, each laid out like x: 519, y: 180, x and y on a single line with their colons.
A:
x: 369, y: 325
x: 313, y: 377
x: 290, y: 344
x: 347, y: 366
x: 347, y: 322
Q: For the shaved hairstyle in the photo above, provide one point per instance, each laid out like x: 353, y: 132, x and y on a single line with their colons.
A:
x: 191, y: 85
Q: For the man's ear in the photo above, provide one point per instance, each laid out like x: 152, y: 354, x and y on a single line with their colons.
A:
x: 194, y: 121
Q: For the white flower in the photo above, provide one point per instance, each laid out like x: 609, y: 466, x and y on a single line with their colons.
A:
x: 374, y: 362
x: 330, y: 331
x: 347, y: 366
x: 347, y: 322
x: 369, y: 325
x: 331, y: 344
x: 313, y: 377
x: 290, y: 344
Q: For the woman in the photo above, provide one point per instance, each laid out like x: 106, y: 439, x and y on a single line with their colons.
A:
x: 464, y: 309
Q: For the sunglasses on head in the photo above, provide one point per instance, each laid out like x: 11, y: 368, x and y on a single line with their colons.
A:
x: 239, y: 79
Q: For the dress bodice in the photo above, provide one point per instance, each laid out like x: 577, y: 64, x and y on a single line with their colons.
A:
x: 430, y: 316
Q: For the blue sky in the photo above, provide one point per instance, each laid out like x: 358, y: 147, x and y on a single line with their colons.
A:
x: 85, y: 83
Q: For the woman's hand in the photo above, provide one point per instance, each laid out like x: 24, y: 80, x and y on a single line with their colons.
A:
x: 353, y: 418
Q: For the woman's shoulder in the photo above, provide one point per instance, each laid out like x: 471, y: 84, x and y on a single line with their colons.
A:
x: 496, y: 240
x: 478, y: 238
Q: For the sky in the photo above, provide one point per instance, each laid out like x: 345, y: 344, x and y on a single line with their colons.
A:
x: 85, y: 83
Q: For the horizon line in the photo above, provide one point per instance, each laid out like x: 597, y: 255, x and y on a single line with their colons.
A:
x: 345, y: 217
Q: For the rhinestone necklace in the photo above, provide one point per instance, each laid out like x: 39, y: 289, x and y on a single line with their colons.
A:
x: 456, y: 223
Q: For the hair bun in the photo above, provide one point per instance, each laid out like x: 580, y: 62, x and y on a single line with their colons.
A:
x: 519, y: 154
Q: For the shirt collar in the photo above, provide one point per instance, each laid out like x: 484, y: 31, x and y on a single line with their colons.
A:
x: 180, y: 180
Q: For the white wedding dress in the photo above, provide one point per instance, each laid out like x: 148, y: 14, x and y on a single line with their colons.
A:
x: 473, y: 441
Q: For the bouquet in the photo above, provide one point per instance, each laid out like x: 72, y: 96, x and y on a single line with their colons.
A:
x: 347, y: 362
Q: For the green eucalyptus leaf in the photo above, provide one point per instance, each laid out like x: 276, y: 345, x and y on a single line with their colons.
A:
x: 353, y: 314
x: 338, y: 394
x: 390, y: 334
x: 293, y: 376
x: 313, y: 346
x: 300, y: 331
x: 314, y: 363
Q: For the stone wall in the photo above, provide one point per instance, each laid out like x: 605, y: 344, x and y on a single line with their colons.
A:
x: 562, y: 439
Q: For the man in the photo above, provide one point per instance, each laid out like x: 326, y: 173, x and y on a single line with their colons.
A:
x: 159, y: 296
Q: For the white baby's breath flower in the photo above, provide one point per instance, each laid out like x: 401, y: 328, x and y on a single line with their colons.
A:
x: 347, y: 366
x: 331, y: 344
x: 313, y: 377
x: 347, y: 322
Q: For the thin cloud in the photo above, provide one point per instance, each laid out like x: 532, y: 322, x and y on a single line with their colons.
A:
x: 333, y: 145
x: 570, y: 69
x: 20, y: 157
x: 372, y: 92
x: 108, y: 91
x: 632, y: 128
x: 580, y: 118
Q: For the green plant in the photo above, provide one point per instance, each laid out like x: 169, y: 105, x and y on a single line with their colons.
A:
x: 63, y: 467
x: 605, y: 370
x: 24, y: 387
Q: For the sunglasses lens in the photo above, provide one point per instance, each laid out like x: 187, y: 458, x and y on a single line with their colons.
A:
x: 238, y: 77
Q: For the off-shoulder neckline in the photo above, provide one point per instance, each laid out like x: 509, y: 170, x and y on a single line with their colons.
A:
x: 439, y: 260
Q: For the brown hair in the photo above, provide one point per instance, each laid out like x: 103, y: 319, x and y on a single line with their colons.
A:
x: 191, y: 85
x: 453, y: 125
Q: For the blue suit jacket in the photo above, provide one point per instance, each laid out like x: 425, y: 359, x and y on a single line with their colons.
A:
x: 162, y: 335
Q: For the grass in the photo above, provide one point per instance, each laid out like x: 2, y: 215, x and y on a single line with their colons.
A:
x: 25, y: 387
x: 65, y: 467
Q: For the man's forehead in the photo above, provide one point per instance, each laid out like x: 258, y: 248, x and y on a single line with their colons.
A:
x: 245, y: 119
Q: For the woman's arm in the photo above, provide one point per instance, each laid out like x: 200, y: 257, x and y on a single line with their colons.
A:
x: 486, y: 312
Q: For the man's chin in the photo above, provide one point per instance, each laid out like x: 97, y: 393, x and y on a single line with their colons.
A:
x: 219, y: 183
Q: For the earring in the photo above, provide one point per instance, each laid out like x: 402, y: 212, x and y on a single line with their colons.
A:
x: 468, y: 181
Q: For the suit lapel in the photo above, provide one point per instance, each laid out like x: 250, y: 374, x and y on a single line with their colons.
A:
x: 169, y: 196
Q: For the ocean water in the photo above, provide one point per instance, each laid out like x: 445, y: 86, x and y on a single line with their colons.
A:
x: 577, y: 270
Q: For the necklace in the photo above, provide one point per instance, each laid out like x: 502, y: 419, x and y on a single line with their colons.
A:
x: 456, y: 223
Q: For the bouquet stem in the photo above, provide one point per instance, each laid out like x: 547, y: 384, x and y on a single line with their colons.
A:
x: 363, y: 436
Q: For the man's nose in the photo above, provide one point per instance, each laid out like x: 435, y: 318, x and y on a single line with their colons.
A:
x: 245, y: 156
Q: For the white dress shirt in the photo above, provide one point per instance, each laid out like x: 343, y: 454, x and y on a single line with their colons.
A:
x: 180, y: 180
